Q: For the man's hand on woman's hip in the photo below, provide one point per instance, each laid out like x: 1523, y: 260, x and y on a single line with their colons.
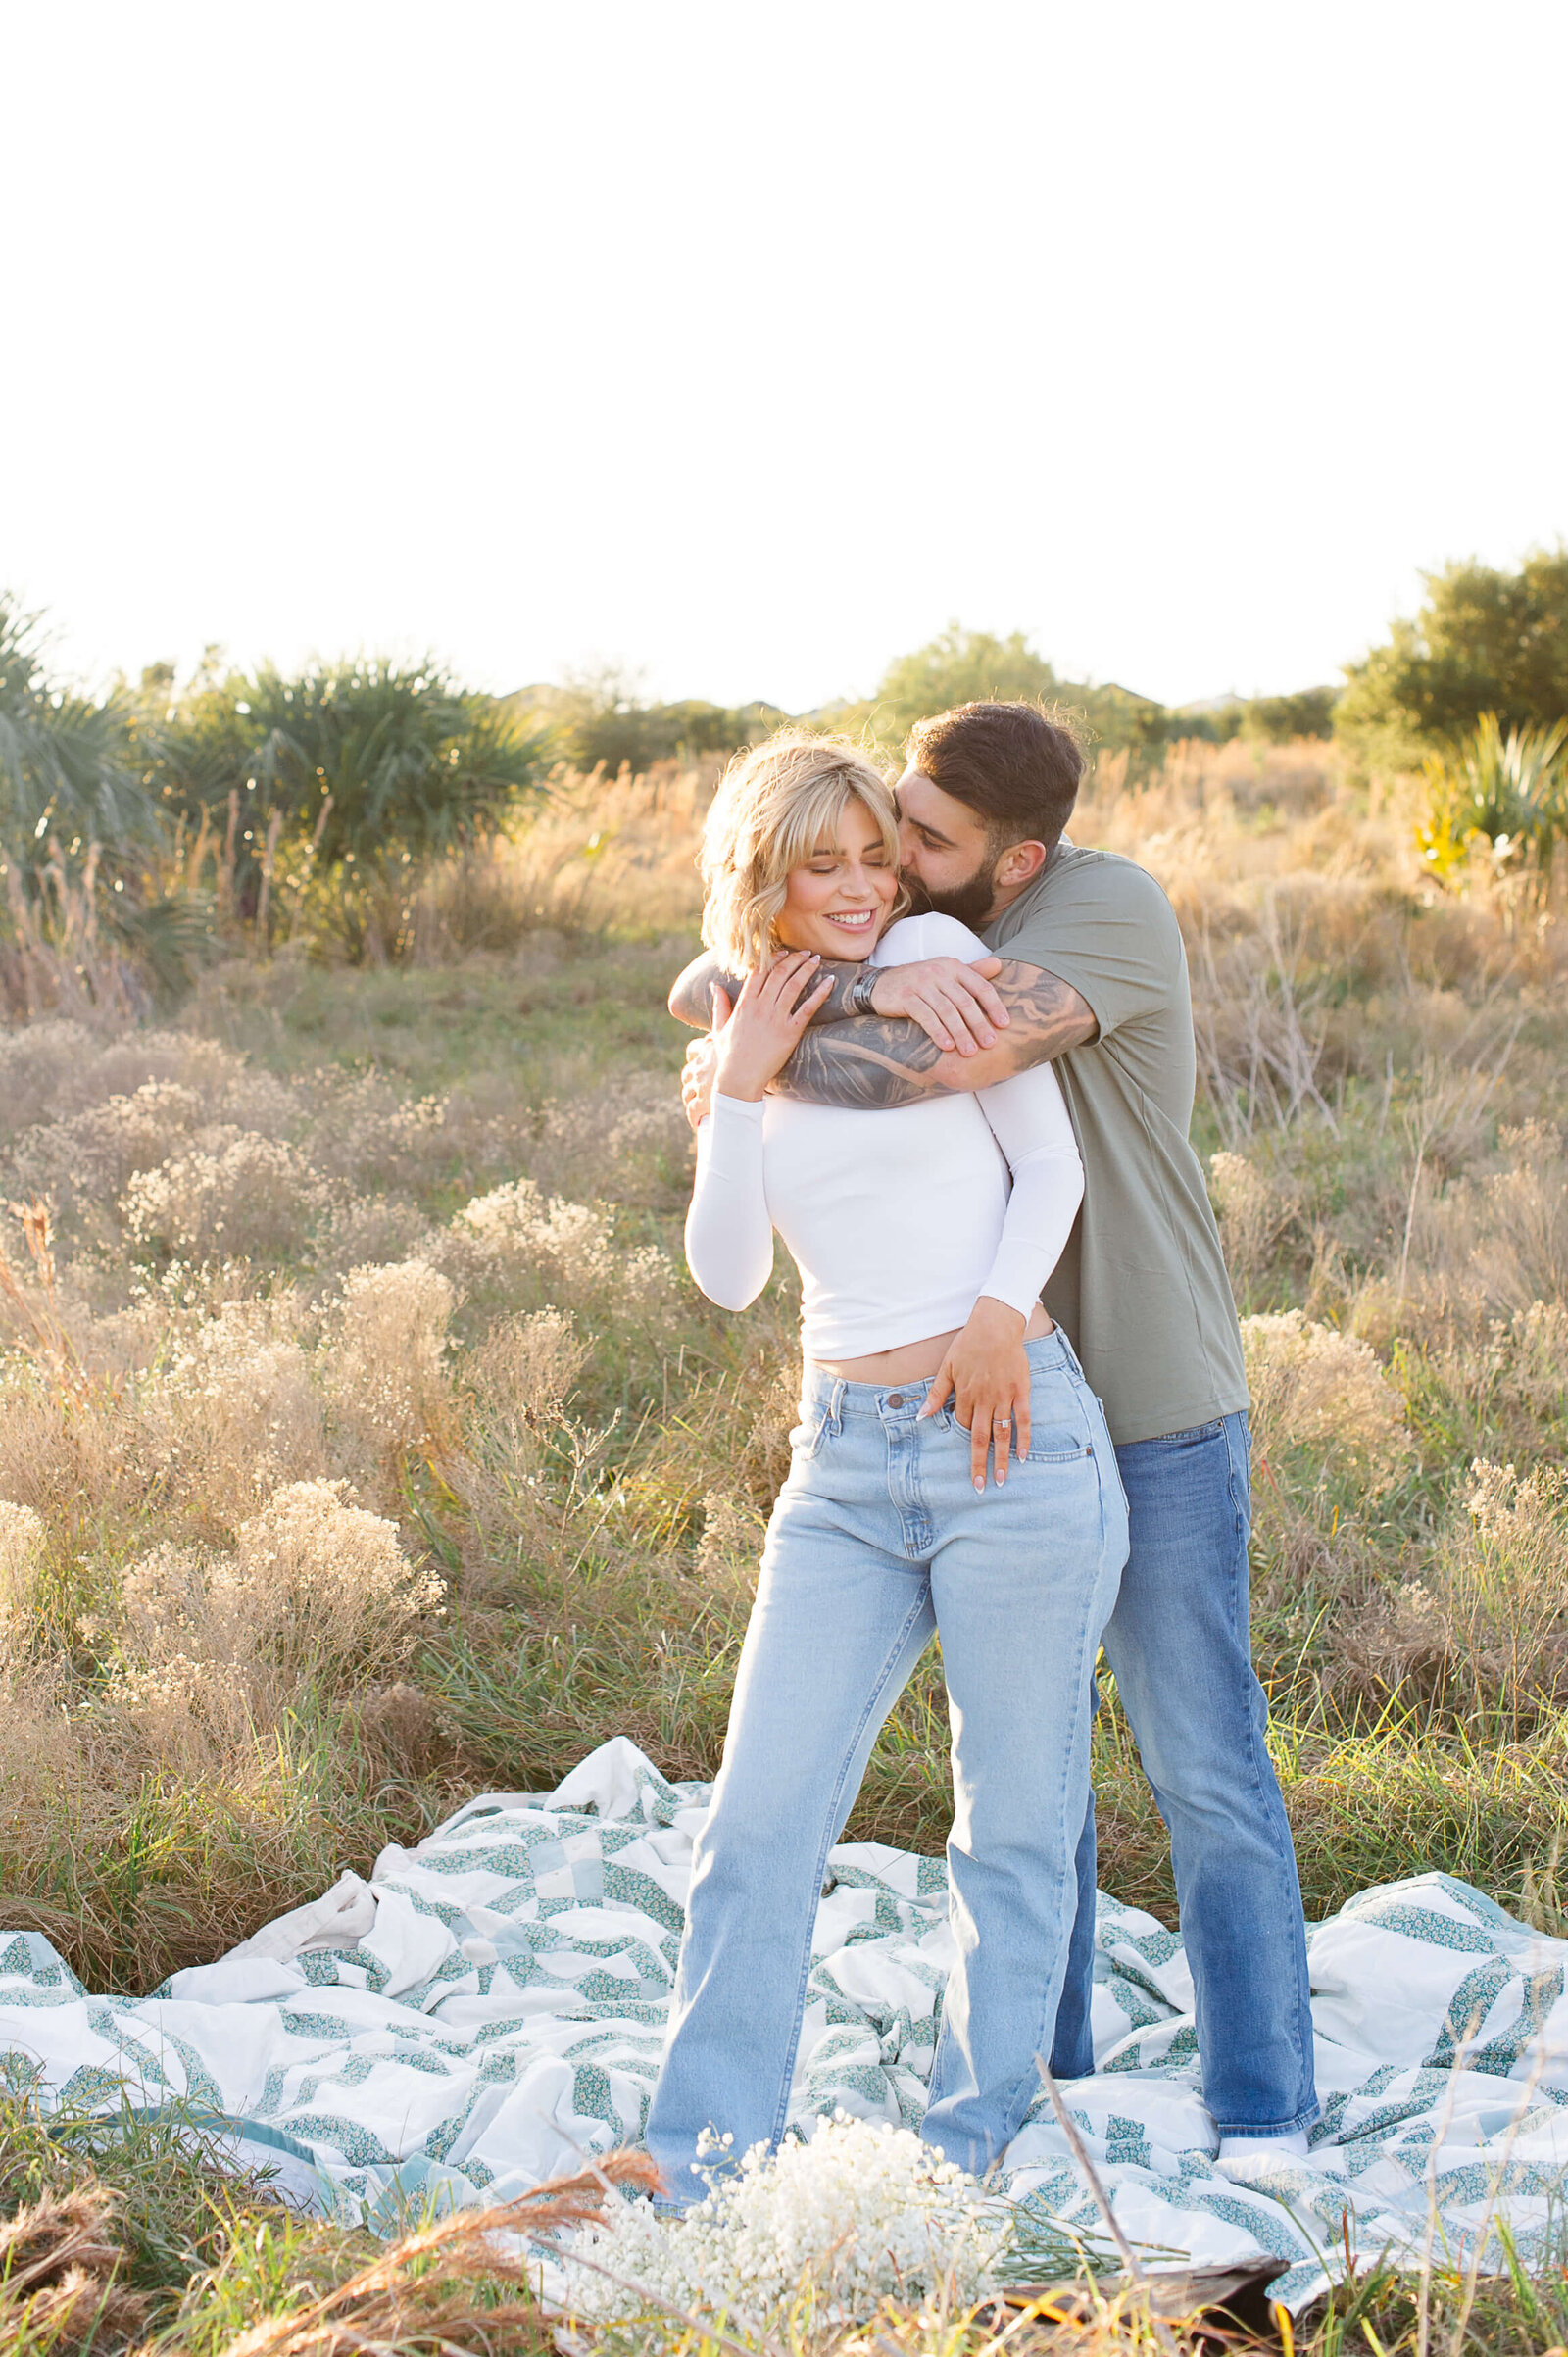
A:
x: 697, y: 1077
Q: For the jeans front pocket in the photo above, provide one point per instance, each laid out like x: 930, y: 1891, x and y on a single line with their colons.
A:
x: 1060, y: 1427
x: 808, y: 1437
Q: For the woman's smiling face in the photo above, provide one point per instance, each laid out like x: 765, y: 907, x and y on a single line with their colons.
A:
x: 837, y: 902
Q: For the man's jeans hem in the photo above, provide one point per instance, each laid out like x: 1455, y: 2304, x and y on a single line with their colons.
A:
x: 1309, y: 2117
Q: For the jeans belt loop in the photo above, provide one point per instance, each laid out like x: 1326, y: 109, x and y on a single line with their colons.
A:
x: 835, y: 1412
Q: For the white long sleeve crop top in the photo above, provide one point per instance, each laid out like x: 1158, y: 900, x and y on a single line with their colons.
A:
x: 898, y: 1219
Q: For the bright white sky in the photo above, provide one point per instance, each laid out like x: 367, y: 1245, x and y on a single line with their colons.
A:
x: 749, y: 342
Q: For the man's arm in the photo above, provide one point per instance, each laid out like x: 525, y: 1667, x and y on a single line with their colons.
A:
x: 691, y: 999
x: 878, y: 1061
x: 952, y: 1003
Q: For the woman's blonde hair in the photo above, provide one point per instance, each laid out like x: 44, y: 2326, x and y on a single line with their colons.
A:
x: 776, y: 807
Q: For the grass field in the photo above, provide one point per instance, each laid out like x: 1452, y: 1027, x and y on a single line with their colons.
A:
x: 377, y: 1271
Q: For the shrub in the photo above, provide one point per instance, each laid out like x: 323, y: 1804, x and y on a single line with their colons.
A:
x: 1325, y: 1394
x: 1482, y: 1631
x: 251, y: 1196
x: 1510, y: 793
x: 359, y: 763
x: 386, y: 1359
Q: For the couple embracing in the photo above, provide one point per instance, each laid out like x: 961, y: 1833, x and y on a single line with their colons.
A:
x: 950, y: 1063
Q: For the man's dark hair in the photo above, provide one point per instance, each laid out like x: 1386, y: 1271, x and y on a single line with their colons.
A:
x: 1015, y: 769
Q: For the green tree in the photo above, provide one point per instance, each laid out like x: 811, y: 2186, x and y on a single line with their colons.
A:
x: 971, y: 666
x: 1483, y: 641
x: 600, y: 716
x: 958, y: 667
x: 1308, y: 713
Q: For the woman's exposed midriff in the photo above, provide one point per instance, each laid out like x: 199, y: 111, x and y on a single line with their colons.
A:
x: 914, y: 1363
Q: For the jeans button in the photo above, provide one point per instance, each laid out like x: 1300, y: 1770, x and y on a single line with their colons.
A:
x: 895, y: 1399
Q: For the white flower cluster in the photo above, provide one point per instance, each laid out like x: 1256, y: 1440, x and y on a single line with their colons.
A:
x: 862, y: 2213
x: 572, y: 1244
x: 240, y: 1195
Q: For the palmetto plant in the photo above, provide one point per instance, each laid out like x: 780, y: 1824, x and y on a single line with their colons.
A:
x: 348, y: 765
x: 1511, y: 791
x: 68, y: 762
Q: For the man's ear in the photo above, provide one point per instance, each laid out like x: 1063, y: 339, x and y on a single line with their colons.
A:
x: 1018, y: 865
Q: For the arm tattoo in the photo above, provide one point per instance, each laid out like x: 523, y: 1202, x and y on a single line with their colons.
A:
x: 691, y: 999
x: 879, y: 1061
x: 870, y: 1060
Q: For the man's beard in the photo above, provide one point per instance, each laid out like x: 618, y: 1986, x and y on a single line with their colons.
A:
x: 969, y: 903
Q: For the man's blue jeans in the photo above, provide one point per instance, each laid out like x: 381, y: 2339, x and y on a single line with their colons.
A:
x: 878, y: 1537
x: 1179, y: 1644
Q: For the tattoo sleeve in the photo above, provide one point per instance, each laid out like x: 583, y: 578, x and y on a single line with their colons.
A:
x: 690, y: 1000
x: 878, y: 1061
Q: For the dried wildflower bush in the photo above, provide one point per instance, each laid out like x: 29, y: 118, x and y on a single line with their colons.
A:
x: 728, y: 1553
x: 1254, y: 1211
x: 570, y: 1253
x: 244, y: 1196
x: 1503, y: 1235
x: 90, y: 1156
x: 72, y: 1459
x: 316, y: 1589
x: 52, y: 1069
x: 23, y: 1541
x: 230, y: 1410
x: 627, y: 1139
x: 521, y: 1376
x: 1325, y: 1394
x: 367, y: 1229
x: 384, y: 1361
x: 364, y: 1129
x: 1483, y: 1630
x: 861, y: 2214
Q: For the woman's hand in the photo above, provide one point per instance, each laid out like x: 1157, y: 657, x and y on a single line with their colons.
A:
x: 987, y: 1371
x: 756, y: 1040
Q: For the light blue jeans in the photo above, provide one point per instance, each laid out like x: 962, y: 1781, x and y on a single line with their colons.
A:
x: 1180, y: 1645
x: 877, y: 1539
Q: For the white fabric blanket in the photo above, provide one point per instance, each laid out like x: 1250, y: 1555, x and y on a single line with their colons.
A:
x: 492, y: 2004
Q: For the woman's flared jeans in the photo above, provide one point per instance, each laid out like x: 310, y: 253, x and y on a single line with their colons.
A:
x: 878, y: 1538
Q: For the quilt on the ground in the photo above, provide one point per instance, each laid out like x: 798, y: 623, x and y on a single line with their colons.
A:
x: 492, y: 2006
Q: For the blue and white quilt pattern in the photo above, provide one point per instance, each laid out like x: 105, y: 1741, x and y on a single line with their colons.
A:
x: 491, y: 2005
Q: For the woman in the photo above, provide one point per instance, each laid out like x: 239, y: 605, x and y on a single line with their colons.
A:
x: 900, y: 1222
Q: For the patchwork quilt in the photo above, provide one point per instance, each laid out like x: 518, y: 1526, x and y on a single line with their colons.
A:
x: 491, y: 2005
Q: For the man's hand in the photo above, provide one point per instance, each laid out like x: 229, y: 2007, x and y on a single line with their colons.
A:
x: 987, y: 1371
x: 696, y: 1073
x: 954, y: 1003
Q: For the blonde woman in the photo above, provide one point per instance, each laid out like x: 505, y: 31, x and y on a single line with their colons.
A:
x: 900, y: 1222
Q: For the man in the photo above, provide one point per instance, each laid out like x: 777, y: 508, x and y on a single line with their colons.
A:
x: 1092, y: 974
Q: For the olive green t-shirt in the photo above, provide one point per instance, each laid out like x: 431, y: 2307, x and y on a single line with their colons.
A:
x: 1140, y: 1288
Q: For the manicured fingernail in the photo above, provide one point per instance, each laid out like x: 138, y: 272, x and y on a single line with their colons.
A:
x: 979, y: 1485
